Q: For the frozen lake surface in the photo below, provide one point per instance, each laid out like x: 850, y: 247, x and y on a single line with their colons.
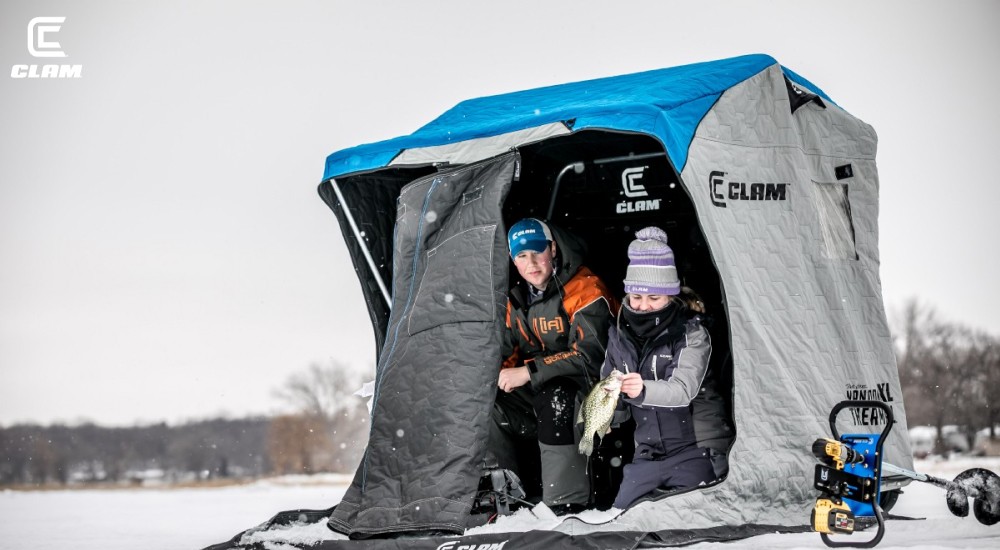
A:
x: 174, y: 519
x: 152, y: 519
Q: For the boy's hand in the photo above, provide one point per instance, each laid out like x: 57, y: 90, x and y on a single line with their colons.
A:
x: 511, y: 379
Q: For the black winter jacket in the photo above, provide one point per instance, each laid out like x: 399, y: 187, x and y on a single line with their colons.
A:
x: 565, y: 332
x: 679, y: 407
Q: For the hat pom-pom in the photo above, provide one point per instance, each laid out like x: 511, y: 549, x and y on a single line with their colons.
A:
x: 651, y: 233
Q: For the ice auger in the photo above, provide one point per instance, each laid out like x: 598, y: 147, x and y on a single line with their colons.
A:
x: 850, y: 478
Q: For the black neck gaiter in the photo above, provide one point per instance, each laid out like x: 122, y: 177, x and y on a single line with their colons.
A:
x: 649, y: 324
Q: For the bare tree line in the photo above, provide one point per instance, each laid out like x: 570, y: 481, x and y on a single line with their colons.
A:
x: 326, y: 431
x: 950, y: 374
x: 88, y: 453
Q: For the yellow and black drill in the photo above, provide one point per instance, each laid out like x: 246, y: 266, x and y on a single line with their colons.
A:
x: 848, y: 478
x: 831, y: 514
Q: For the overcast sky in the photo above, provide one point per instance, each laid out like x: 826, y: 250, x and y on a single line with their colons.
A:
x: 164, y: 254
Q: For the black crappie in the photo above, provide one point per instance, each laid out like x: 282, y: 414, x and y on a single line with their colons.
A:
x: 598, y: 409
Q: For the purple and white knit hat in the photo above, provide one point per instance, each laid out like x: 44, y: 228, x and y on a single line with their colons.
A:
x: 651, y: 268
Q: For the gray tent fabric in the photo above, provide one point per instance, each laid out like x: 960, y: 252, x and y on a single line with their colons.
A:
x: 806, y: 316
x: 436, y: 377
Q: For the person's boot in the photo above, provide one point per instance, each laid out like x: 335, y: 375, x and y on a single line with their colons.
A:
x: 564, y: 476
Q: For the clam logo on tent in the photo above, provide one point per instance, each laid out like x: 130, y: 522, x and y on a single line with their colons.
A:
x: 722, y: 190
x: 714, y: 181
x: 452, y: 545
x: 630, y: 182
x: 633, y: 189
x: 41, y: 45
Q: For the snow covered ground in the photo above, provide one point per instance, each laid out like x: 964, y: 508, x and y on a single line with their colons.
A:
x: 152, y: 519
x: 940, y: 529
x: 174, y: 519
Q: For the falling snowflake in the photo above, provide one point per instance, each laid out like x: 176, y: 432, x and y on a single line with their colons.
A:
x: 430, y: 216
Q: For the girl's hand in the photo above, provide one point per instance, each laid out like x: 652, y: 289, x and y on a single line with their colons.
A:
x: 632, y: 385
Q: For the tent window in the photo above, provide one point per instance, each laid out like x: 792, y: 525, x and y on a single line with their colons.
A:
x: 835, y: 222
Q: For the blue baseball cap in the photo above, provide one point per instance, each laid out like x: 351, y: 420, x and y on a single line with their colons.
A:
x: 528, y: 234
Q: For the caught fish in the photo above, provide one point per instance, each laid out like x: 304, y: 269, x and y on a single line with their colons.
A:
x: 598, y: 409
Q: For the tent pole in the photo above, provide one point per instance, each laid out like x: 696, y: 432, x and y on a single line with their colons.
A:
x: 361, y: 242
x: 629, y: 157
x: 576, y: 167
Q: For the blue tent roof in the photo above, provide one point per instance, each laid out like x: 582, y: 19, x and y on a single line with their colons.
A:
x: 666, y: 103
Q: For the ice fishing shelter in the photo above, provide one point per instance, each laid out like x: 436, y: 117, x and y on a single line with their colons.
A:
x: 769, y: 193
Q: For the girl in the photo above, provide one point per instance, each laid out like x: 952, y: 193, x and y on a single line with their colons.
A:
x: 661, y: 345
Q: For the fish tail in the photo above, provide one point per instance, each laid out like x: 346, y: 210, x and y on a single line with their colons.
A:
x: 587, y: 445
